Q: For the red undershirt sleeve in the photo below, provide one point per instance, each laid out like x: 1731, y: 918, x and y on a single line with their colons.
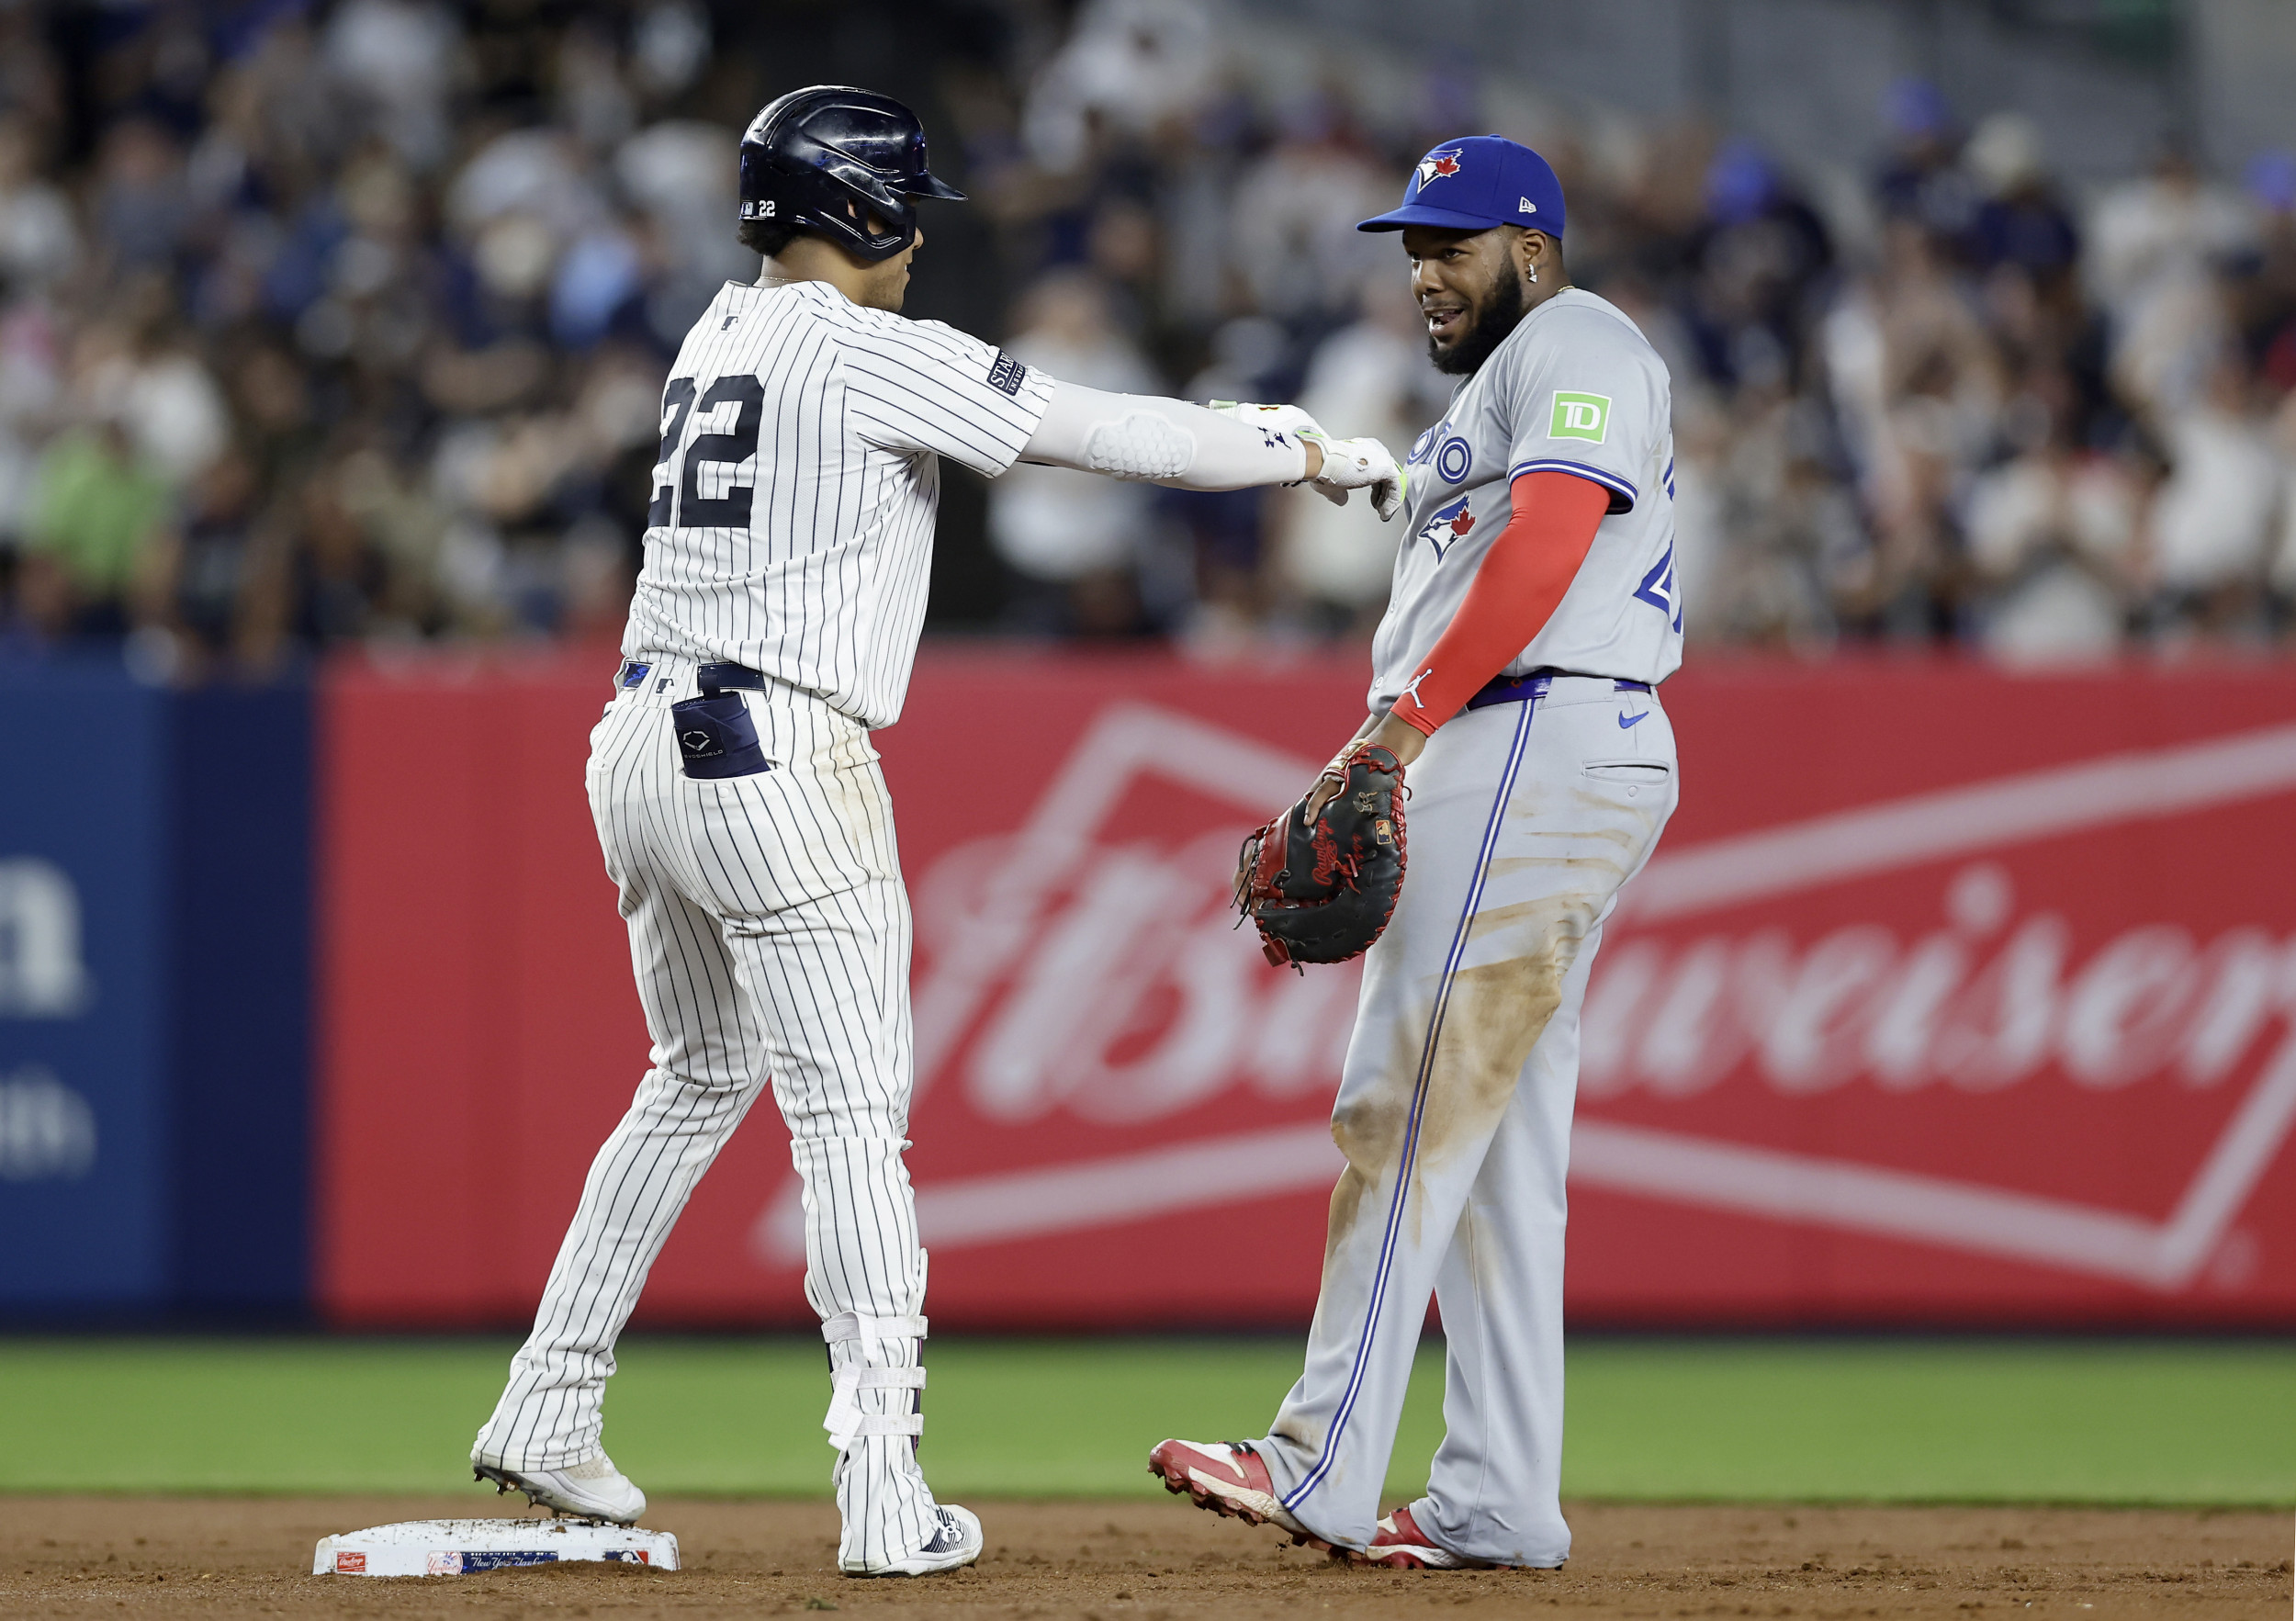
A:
x: 1515, y: 592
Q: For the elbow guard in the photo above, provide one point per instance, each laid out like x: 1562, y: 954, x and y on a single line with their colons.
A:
x: 1140, y: 445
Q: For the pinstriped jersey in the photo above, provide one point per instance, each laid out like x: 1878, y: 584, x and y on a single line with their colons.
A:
x: 1575, y: 388
x: 791, y: 528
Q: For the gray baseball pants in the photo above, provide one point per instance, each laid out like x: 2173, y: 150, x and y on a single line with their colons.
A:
x: 1454, y: 1113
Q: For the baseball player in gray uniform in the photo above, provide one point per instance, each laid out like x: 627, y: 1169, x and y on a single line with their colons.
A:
x: 740, y: 806
x: 1514, y: 676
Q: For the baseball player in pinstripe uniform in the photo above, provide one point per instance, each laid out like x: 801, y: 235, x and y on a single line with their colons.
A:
x: 1514, y: 676
x: 740, y: 806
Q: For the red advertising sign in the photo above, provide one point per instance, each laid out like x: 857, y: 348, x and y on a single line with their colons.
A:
x: 1950, y: 997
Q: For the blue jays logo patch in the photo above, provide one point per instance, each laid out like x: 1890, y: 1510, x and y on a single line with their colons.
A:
x: 1445, y: 525
x: 1438, y: 166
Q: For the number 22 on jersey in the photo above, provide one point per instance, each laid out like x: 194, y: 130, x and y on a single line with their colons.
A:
x: 678, y: 493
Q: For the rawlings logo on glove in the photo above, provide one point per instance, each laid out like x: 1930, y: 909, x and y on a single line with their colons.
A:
x: 1320, y: 888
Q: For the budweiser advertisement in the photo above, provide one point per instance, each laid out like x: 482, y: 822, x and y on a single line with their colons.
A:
x: 1951, y: 997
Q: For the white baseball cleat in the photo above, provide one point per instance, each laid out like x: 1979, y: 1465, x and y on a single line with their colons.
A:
x: 593, y: 1490
x: 956, y: 1541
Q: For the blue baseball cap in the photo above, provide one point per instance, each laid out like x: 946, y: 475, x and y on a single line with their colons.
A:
x: 1476, y: 183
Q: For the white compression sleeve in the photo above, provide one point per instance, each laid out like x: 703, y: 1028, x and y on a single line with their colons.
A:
x: 1162, y: 441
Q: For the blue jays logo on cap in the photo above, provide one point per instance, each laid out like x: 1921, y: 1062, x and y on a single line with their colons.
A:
x: 1485, y: 180
x: 1437, y: 165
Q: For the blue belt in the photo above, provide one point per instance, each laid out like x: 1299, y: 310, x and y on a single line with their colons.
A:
x: 1517, y: 689
x: 709, y: 677
x: 728, y: 678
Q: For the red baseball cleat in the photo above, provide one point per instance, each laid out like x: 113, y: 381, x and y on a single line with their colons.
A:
x: 1228, y: 1477
x: 1400, y: 1545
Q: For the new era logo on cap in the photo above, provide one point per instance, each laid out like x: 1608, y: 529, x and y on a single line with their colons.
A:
x: 1526, y: 207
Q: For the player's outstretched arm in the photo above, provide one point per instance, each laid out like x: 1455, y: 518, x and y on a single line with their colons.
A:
x: 1171, y: 442
x: 1348, y: 464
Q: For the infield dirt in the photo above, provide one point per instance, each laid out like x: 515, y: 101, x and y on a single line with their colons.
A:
x: 1165, y: 1561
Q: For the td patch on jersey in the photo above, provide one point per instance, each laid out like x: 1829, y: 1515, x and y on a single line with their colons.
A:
x: 1580, y: 416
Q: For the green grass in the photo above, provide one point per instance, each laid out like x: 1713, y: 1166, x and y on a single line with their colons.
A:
x: 1904, y: 1421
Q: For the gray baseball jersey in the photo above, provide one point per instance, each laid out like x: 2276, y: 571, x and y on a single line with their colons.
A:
x: 1528, y: 817
x: 792, y: 523
x: 1575, y: 388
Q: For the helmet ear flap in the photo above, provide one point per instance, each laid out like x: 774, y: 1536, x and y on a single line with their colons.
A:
x: 842, y: 162
x: 860, y: 225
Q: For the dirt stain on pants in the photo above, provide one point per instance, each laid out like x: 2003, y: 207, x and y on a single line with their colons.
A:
x: 1492, y: 1019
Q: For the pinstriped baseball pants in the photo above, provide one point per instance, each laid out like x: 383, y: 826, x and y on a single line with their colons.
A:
x: 770, y: 938
x: 1454, y: 1114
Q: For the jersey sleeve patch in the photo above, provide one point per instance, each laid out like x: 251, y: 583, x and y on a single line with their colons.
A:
x: 1008, y: 373
x: 1580, y: 416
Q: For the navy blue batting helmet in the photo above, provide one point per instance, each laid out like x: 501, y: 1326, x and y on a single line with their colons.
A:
x: 826, y: 158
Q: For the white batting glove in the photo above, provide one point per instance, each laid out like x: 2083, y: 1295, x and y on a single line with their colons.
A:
x: 1282, y: 422
x: 1361, y: 464
x: 1275, y: 419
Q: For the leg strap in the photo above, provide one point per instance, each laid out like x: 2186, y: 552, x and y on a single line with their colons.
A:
x: 878, y: 1379
x: 851, y: 1425
x: 845, y: 1420
x: 856, y: 1325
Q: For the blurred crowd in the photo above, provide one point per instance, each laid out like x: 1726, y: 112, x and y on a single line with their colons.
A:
x: 331, y: 323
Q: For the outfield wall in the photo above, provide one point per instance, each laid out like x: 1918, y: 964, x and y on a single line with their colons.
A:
x: 155, y: 994
x: 1951, y: 998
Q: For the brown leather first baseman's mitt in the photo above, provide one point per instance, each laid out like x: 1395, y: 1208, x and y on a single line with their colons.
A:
x: 1323, y: 891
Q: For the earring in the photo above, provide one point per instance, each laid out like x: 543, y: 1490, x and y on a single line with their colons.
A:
x: 1534, y: 275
